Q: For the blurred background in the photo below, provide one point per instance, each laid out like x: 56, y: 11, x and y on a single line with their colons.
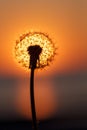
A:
x: 61, y: 88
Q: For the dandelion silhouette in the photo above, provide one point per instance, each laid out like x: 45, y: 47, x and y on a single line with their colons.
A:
x: 34, y: 50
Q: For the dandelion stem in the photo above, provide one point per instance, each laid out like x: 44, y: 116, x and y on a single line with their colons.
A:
x: 34, y: 52
x: 34, y: 121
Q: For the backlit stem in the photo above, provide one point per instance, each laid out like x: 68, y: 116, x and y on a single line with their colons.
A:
x: 34, y: 52
x: 33, y: 100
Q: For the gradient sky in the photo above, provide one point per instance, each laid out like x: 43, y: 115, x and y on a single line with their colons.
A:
x: 65, y: 21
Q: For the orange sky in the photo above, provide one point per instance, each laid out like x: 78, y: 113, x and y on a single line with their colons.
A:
x: 65, y: 22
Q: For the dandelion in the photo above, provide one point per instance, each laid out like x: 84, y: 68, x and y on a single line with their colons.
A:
x: 34, y: 50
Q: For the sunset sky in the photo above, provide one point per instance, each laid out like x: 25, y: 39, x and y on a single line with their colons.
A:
x: 65, y: 21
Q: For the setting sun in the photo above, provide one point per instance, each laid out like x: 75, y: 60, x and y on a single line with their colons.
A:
x: 30, y: 39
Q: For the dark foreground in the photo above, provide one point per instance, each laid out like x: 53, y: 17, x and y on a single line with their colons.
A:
x: 53, y: 124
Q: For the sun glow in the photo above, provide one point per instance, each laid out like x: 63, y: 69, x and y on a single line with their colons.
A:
x: 31, y: 39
